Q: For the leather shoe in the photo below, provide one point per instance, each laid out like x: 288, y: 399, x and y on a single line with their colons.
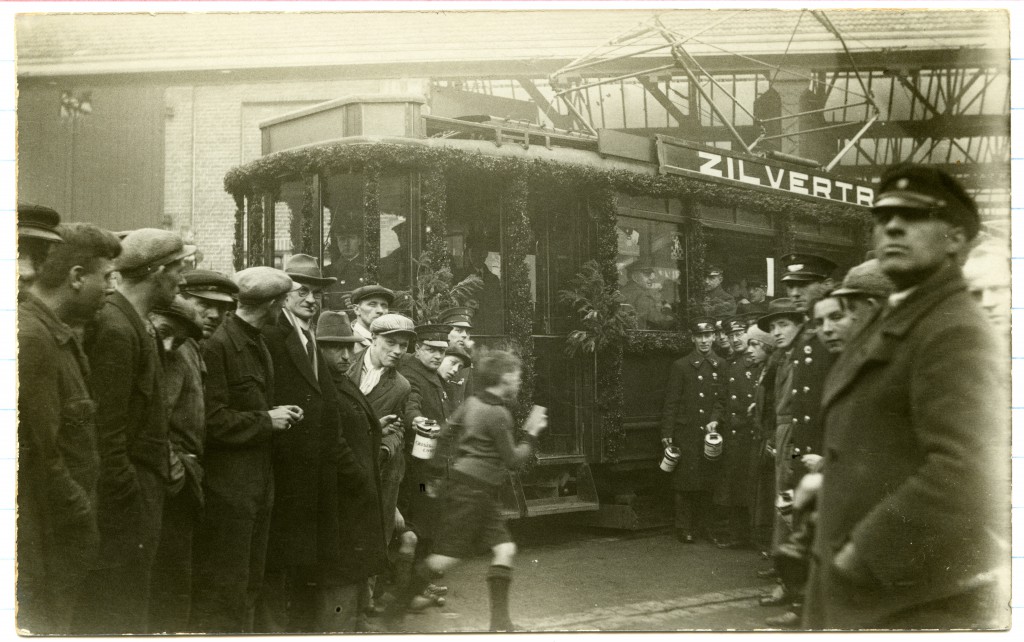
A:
x: 788, y: 620
x: 767, y: 574
x: 777, y: 597
x: 685, y: 537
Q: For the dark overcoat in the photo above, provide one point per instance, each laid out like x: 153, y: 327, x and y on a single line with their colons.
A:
x: 361, y: 537
x: 58, y: 466
x: 695, y: 387
x: 740, y: 436
x: 428, y: 397
x: 811, y: 362
x: 308, y: 457
x: 916, y: 465
x: 132, y: 434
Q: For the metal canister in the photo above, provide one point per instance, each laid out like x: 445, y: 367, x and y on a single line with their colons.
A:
x: 425, y: 444
x: 671, y: 459
x: 712, y: 446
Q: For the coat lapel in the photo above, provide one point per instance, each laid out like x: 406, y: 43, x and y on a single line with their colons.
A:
x: 296, y: 351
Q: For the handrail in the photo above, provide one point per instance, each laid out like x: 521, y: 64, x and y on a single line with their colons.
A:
x: 514, y: 133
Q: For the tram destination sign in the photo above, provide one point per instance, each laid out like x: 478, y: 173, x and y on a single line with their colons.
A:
x: 684, y: 158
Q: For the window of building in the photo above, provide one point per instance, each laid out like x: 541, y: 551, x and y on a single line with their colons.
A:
x: 474, y: 239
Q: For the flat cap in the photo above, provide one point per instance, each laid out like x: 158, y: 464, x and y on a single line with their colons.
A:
x: 910, y: 186
x: 806, y: 267
x: 456, y: 351
x: 702, y: 325
x: 334, y: 327
x: 261, y: 283
x: 39, y: 222
x: 211, y: 285
x: 373, y: 290
x: 303, y: 268
x: 148, y: 248
x: 185, y: 315
x: 433, y: 335
x: 458, y: 317
x: 389, y: 324
x: 777, y: 308
x: 866, y: 279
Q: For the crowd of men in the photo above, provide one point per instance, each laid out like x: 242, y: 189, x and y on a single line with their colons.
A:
x: 863, y: 425
x: 205, y: 453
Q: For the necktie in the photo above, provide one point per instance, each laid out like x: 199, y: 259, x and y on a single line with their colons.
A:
x: 310, y: 350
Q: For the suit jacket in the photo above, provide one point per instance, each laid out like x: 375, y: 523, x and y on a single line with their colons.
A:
x: 239, y: 392
x: 695, y: 388
x: 363, y: 551
x: 131, y: 426
x: 308, y: 457
x: 916, y: 460
x: 58, y: 466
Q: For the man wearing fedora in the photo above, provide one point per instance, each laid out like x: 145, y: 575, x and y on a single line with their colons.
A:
x: 695, y: 388
x: 131, y: 426
x: 362, y: 551
x: 369, y: 302
x: 913, y: 518
x: 180, y: 328
x: 212, y: 294
x: 58, y: 462
x: 312, y: 463
x: 238, y: 484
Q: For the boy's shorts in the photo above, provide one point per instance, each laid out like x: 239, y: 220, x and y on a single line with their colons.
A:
x: 471, y: 522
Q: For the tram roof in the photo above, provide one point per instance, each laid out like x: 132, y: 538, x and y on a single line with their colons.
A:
x: 472, y: 42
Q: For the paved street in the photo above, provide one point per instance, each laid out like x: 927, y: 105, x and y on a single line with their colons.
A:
x: 587, y: 579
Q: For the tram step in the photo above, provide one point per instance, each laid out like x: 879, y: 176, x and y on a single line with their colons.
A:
x: 553, y: 505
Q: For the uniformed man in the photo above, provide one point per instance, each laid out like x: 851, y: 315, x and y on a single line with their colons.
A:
x: 58, y: 462
x: 180, y: 328
x: 369, y: 302
x: 231, y: 542
x: 716, y: 301
x: 460, y: 384
x: 694, y: 388
x: 756, y: 301
x: 913, y: 519
x: 732, y: 493
x: 212, y: 294
x: 651, y: 312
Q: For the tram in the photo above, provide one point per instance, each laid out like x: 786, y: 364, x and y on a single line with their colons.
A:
x: 376, y: 188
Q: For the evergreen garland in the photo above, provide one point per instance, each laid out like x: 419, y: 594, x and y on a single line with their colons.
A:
x: 238, y: 247
x: 435, y: 205
x: 519, y: 304
x: 371, y: 223
x: 256, y: 255
x: 307, y: 243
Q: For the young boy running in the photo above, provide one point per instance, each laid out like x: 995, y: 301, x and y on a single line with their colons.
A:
x: 472, y: 507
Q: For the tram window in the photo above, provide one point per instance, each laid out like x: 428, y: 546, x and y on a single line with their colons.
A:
x: 287, y: 206
x: 649, y: 260
x: 343, y: 243
x: 395, y: 240
x: 474, y: 238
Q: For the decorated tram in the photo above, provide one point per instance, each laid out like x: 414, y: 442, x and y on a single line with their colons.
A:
x: 552, y: 222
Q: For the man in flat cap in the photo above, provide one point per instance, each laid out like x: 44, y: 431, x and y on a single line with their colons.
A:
x: 369, y: 302
x: 695, y: 387
x: 913, y: 519
x: 362, y: 549
x: 375, y: 373
x: 241, y: 418
x: 180, y: 328
x: 131, y: 426
x: 864, y: 290
x: 212, y: 294
x: 37, y: 233
x: 58, y: 462
x: 312, y: 465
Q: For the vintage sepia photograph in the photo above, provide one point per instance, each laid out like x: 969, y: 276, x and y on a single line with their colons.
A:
x: 430, y: 318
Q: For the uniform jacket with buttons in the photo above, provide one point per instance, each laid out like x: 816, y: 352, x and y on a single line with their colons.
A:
x: 916, y: 461
x: 695, y: 390
x: 811, y: 362
x: 58, y: 465
x: 131, y: 426
x: 312, y: 460
x: 741, y: 437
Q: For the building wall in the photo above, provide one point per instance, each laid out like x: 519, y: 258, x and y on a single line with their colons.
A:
x: 212, y: 128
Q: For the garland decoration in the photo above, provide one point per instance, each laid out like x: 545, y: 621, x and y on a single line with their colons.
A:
x: 238, y: 247
x: 371, y: 223
x: 640, y: 342
x: 435, y: 202
x: 303, y: 232
x: 256, y: 256
x: 519, y: 304
x: 785, y: 222
x: 697, y: 247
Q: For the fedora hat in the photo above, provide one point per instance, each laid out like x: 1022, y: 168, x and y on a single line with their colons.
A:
x: 334, y: 327
x: 304, y: 269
